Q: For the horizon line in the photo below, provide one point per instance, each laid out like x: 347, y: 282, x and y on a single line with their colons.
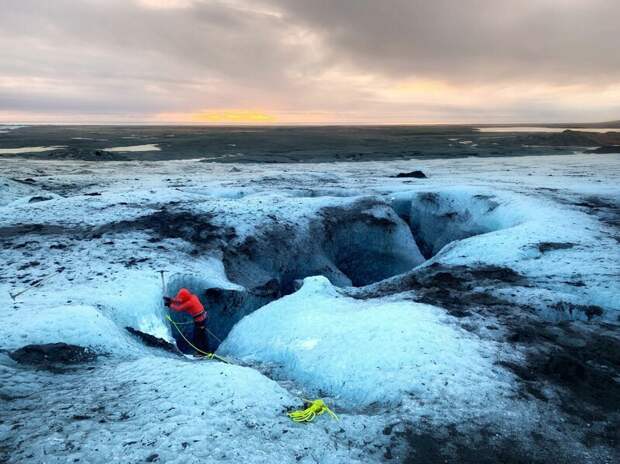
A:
x: 316, y: 124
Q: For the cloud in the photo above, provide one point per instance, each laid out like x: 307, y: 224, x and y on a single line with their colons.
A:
x: 319, y: 61
x: 481, y: 40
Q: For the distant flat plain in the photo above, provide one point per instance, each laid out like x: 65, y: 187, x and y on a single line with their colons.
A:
x: 277, y: 144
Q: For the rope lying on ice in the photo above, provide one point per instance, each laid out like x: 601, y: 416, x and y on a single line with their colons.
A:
x: 315, y: 408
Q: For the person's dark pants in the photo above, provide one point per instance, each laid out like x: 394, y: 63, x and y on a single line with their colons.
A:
x: 201, y: 339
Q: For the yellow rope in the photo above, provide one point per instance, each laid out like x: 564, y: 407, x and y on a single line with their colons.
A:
x: 315, y: 408
x: 193, y: 322
x: 208, y: 355
x: 182, y: 323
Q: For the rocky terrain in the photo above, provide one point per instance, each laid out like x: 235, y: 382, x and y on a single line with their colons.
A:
x: 294, y: 144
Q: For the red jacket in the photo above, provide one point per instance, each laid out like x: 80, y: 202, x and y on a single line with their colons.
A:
x: 188, y: 303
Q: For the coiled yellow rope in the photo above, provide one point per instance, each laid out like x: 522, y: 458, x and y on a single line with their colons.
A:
x: 315, y: 408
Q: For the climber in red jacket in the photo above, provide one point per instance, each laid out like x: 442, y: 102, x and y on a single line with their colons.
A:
x: 189, y: 303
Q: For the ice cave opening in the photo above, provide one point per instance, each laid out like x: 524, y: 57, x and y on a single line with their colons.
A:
x: 355, y: 245
x: 439, y: 218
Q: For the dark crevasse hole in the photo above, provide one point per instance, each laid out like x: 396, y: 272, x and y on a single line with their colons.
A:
x: 368, y: 243
x: 225, y: 307
x: 356, y: 244
x: 351, y: 245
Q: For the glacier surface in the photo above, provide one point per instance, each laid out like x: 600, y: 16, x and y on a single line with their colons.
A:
x: 471, y: 313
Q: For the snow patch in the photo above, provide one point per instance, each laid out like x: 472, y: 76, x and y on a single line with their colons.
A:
x: 7, y: 129
x: 134, y: 148
x: 17, y: 151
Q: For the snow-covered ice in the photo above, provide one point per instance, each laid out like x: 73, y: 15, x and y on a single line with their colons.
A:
x: 450, y: 309
x: 386, y: 350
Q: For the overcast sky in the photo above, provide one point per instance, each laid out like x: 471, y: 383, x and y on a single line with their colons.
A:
x: 309, y: 61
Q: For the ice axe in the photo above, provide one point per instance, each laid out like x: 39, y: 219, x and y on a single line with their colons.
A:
x: 31, y: 286
x: 163, y: 282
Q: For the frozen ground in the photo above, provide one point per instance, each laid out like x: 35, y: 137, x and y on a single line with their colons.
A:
x: 471, y: 316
